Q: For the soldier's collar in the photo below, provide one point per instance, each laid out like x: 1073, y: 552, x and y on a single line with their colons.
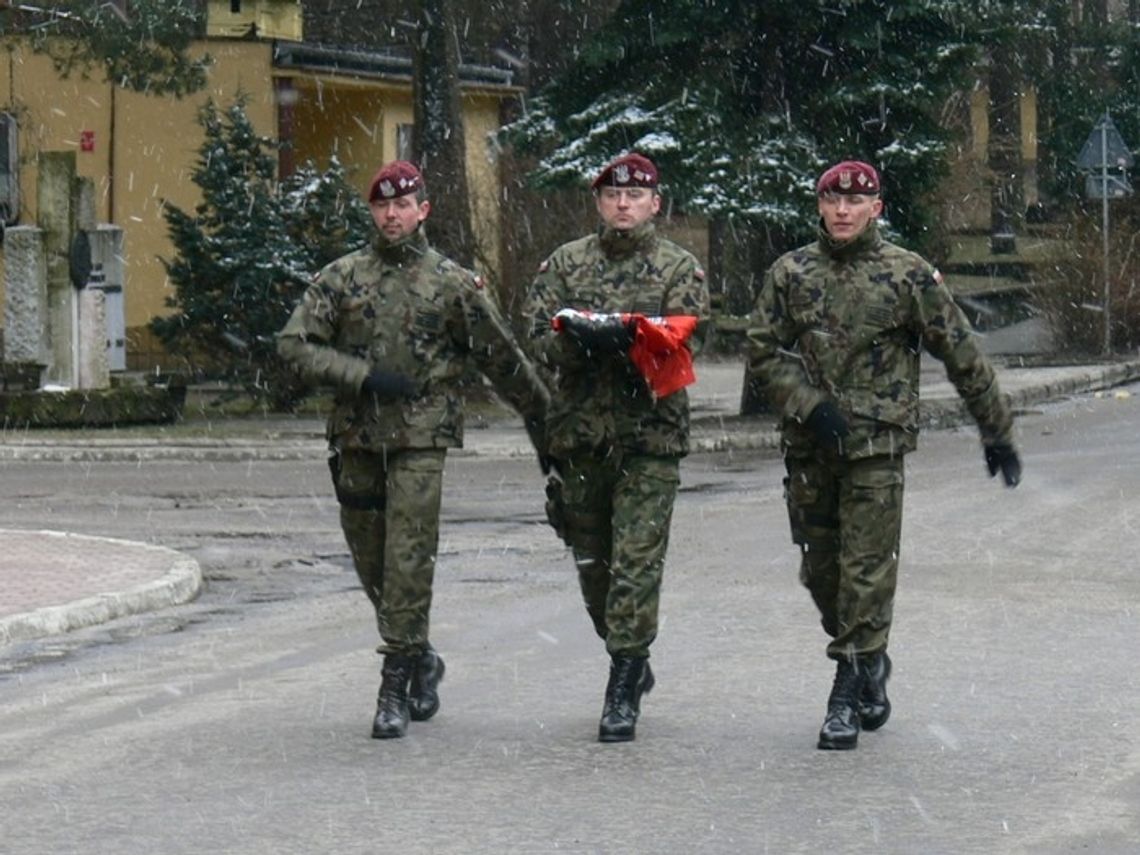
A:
x: 405, y: 250
x: 617, y: 243
x: 845, y: 249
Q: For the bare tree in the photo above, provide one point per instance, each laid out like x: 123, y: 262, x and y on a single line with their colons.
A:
x: 438, y: 138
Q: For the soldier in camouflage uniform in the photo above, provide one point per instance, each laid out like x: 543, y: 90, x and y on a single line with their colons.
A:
x: 392, y: 327
x: 616, y: 446
x: 838, y: 332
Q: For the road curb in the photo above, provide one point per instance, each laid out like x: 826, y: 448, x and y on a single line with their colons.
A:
x: 952, y: 412
x: 181, y: 582
x: 710, y: 431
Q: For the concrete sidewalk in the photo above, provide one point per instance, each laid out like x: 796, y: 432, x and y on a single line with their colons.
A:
x: 53, y: 582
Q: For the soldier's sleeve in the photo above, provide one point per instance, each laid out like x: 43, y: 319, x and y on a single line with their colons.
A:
x: 546, y: 297
x: 496, y: 351
x: 948, y: 336
x: 306, y: 340
x: 777, y: 367
x: 688, y: 294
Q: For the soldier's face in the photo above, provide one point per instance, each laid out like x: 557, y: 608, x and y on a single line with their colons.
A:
x: 398, y: 217
x: 845, y: 215
x: 627, y: 207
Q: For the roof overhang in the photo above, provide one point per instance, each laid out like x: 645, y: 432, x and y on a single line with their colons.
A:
x: 381, y: 66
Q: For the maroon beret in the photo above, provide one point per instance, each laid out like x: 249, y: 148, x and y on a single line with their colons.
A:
x: 629, y: 170
x: 398, y: 178
x: 849, y: 177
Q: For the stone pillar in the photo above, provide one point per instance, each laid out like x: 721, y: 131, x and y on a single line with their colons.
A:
x: 54, y: 207
x: 26, y: 302
x: 107, y: 250
x: 93, y: 370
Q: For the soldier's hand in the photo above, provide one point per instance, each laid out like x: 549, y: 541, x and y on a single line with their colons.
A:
x: 1002, y: 456
x: 389, y: 385
x: 600, y: 335
x: 828, y: 425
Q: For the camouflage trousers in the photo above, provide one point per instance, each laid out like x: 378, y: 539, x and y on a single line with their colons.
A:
x: 389, y: 511
x: 846, y: 517
x: 617, y: 512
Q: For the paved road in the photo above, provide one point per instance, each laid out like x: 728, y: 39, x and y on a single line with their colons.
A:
x: 245, y: 731
x: 53, y: 582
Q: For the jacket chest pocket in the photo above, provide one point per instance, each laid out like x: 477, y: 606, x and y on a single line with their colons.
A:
x: 646, y: 304
x: 891, y: 349
x: 357, y: 321
x: 648, y: 295
x: 426, y: 329
x: 806, y: 308
x: 880, y: 324
x: 426, y: 321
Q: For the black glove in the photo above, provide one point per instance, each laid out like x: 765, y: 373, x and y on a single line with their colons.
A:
x: 828, y: 425
x: 601, y: 335
x: 1003, y: 457
x: 389, y: 385
x: 536, y: 430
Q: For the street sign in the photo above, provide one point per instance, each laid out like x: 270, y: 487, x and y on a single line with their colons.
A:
x: 1107, y: 186
x: 1105, y: 148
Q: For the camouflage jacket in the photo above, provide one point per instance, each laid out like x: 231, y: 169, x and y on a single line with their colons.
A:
x: 404, y: 307
x: 598, y: 401
x: 847, y: 322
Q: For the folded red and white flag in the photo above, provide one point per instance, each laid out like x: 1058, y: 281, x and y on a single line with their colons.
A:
x: 659, y: 350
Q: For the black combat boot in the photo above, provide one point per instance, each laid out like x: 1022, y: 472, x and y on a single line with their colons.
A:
x: 426, y: 676
x: 874, y: 706
x: 630, y: 678
x: 840, y: 729
x: 392, y: 704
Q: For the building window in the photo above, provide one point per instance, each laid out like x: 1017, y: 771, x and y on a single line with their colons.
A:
x: 235, y: 6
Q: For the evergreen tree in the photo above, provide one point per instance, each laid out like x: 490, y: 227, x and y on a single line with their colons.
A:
x: 142, y: 45
x: 1090, y: 66
x: 247, y: 252
x: 324, y: 216
x: 743, y: 103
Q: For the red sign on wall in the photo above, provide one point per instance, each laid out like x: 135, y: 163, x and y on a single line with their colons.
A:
x: 87, y: 141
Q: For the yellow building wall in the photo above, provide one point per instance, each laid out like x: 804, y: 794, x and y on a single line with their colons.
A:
x: 157, y: 141
x: 144, y: 148
x: 142, y: 151
x: 481, y: 118
x: 980, y: 122
x: 355, y: 122
x: 57, y: 115
x: 971, y: 212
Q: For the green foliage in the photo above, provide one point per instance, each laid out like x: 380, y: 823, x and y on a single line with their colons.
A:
x: 324, y: 214
x: 742, y: 103
x: 246, y: 253
x: 144, y: 48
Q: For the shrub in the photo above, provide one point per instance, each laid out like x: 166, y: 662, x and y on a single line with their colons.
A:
x: 247, y: 252
x: 1072, y: 293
